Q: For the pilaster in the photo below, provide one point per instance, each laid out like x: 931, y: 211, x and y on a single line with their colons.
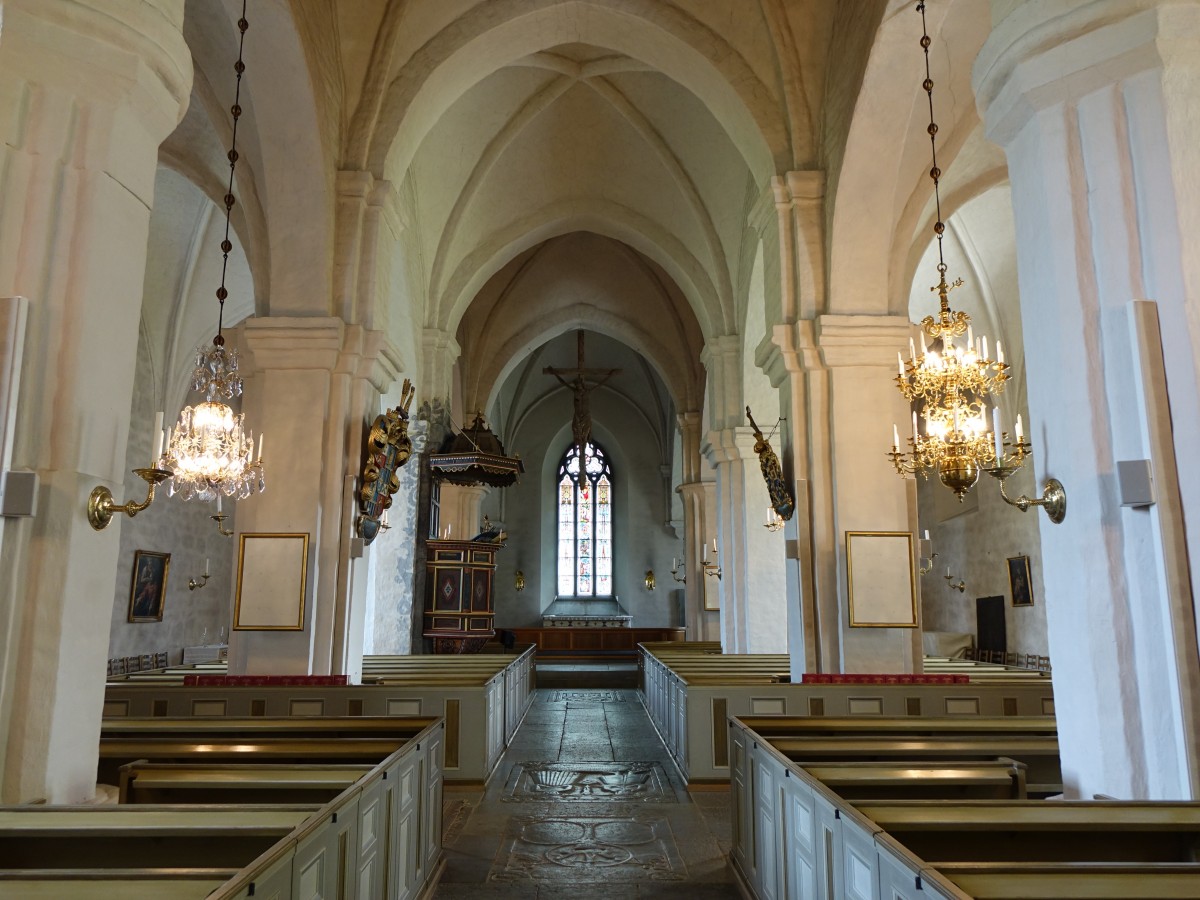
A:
x: 1094, y: 105
x: 88, y: 91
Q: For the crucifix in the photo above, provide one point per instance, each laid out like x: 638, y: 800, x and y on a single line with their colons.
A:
x: 581, y: 381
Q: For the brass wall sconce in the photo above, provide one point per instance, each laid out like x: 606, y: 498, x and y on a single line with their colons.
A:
x: 220, y: 520
x: 649, y: 580
x: 193, y: 584
x: 101, y: 504
x: 925, y: 562
x: 1054, y: 495
x: 711, y: 568
x: 960, y: 587
x: 682, y: 579
x: 519, y: 581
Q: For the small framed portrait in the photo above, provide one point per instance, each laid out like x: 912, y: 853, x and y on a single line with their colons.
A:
x: 1020, y: 581
x: 148, y: 585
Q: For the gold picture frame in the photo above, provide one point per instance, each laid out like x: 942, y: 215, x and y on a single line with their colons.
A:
x: 1020, y: 581
x: 272, y: 582
x: 148, y: 585
x: 881, y: 580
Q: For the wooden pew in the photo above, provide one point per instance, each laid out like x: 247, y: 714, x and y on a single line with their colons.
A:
x: 1039, y: 753
x: 1042, y: 831
x: 776, y: 727
x: 997, y: 779
x: 1075, y: 880
x: 117, y: 837
x: 112, y: 884
x: 114, y: 753
x: 144, y: 782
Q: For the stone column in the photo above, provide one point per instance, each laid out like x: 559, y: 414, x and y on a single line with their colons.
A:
x: 753, y: 609
x: 88, y: 91
x: 1094, y: 105
x: 701, y: 625
x: 314, y: 381
x: 852, y: 418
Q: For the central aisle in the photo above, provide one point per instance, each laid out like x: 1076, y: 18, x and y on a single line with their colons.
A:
x: 586, y: 804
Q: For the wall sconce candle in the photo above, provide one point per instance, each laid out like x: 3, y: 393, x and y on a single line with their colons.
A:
x: 649, y: 579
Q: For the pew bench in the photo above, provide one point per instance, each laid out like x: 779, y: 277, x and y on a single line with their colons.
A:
x: 1042, y: 831
x: 115, y: 752
x: 45, y: 837
x: 997, y: 779
x: 107, y: 884
x: 1074, y: 880
x: 1039, y: 753
x: 776, y: 727
x: 145, y: 782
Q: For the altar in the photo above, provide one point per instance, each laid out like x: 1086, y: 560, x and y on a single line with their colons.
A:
x: 586, y: 614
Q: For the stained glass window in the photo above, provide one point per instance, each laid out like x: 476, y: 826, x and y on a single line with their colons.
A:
x: 585, y: 536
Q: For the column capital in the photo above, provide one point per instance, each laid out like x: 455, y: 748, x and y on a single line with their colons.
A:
x: 439, y: 352
x: 371, y: 356
x: 861, y: 340
x: 728, y: 445
x: 294, y: 342
x: 1043, y: 54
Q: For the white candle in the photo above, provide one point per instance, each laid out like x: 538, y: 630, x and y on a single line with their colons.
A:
x: 206, y: 565
x: 914, y: 417
x: 924, y: 349
x: 895, y: 436
x: 999, y: 352
x: 926, y: 534
x: 260, y: 443
x: 1020, y: 431
x: 714, y: 545
x: 158, y: 437
x: 996, y: 434
x: 449, y: 530
x: 674, y: 563
x: 983, y: 340
x: 912, y: 348
x: 900, y: 363
x: 218, y: 503
x: 947, y: 571
x: 704, y: 553
x: 970, y: 336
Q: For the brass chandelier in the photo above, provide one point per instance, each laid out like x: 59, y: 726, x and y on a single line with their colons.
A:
x: 951, y: 383
x: 209, y: 450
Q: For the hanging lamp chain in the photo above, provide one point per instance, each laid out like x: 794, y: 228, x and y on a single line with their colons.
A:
x: 947, y: 322
x: 239, y: 67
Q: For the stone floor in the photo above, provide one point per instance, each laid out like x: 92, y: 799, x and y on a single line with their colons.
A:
x: 586, y: 805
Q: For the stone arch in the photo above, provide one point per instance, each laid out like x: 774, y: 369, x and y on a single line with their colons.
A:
x: 603, y: 217
x: 863, y: 277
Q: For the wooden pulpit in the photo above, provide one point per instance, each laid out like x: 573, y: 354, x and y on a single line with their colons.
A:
x: 459, y: 594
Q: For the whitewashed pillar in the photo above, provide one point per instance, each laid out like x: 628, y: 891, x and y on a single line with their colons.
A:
x: 1095, y: 107
x: 852, y: 417
x: 88, y: 91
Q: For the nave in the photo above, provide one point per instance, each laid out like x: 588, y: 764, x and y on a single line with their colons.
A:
x: 586, y: 804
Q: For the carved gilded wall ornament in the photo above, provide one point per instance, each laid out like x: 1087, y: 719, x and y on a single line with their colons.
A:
x: 388, y: 449
x: 782, y: 500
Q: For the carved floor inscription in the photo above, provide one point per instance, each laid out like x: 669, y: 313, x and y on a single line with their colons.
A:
x: 581, y: 781
x: 576, y: 849
x: 594, y: 696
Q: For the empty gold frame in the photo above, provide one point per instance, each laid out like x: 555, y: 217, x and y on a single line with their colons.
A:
x: 272, y: 576
x: 881, y: 579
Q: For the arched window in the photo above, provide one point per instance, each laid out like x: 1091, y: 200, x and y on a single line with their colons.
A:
x: 585, y: 561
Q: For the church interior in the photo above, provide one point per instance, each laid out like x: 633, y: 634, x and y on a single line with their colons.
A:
x: 616, y: 399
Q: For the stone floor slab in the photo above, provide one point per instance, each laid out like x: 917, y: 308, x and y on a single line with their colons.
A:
x: 563, y: 782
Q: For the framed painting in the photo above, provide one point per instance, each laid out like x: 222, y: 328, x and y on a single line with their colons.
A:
x: 148, y: 585
x: 272, y: 576
x: 881, y: 583
x: 1020, y: 581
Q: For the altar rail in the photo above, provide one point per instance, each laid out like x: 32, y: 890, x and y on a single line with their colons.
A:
x: 689, y: 693
x: 483, y: 698
x: 594, y: 641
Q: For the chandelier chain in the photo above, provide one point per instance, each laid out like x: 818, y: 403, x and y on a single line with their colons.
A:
x: 239, y: 67
x: 935, y: 173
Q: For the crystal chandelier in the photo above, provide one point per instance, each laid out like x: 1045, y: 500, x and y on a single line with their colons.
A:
x: 952, y: 382
x: 209, y: 450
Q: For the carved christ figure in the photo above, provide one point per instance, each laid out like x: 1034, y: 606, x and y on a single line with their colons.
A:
x: 577, y: 381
